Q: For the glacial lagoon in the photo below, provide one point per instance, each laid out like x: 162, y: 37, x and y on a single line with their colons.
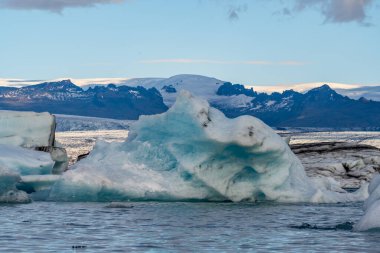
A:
x: 183, y: 227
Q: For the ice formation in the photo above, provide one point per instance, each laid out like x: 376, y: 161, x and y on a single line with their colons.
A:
x: 26, y: 129
x: 8, y: 191
x: 17, y: 163
x: 193, y: 152
x: 371, y: 218
x: 25, y: 161
x: 22, y: 167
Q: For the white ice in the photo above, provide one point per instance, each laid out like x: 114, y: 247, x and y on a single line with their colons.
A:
x: 26, y: 129
x: 25, y: 161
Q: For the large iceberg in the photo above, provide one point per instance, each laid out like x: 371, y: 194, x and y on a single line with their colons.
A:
x: 193, y: 152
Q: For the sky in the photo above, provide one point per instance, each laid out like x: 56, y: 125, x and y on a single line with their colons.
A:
x: 264, y: 42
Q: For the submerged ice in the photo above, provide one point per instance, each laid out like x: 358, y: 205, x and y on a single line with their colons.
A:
x: 193, y: 152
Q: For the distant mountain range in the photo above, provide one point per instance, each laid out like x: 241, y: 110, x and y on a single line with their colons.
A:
x: 318, y: 107
x: 64, y: 97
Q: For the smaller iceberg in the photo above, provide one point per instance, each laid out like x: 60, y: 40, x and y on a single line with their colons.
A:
x: 28, y: 155
x: 193, y: 152
x: 371, y: 217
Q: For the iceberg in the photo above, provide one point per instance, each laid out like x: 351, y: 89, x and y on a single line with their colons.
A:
x: 25, y: 161
x: 193, y: 152
x: 28, y: 157
x: 27, y: 129
x: 371, y: 217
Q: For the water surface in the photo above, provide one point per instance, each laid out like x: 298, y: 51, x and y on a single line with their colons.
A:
x: 183, y: 227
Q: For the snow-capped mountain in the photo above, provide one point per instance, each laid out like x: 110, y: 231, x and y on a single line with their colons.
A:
x: 354, y: 91
x: 318, y: 107
x: 64, y: 97
x: 201, y: 86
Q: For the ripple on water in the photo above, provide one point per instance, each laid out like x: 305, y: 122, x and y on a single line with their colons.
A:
x: 165, y: 227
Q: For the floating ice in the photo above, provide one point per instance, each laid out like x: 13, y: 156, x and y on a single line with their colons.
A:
x: 25, y: 161
x: 193, y: 152
x: 26, y: 129
x: 8, y: 191
x: 371, y: 218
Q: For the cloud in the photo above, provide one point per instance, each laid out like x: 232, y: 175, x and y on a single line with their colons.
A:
x: 52, y: 5
x: 235, y: 11
x: 208, y: 61
x: 335, y: 11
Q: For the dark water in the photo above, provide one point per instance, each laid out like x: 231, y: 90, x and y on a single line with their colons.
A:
x: 183, y: 227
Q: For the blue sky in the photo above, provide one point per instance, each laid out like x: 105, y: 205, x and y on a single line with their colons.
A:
x: 266, y: 42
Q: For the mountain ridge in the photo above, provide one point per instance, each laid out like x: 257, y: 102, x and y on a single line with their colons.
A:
x: 318, y: 107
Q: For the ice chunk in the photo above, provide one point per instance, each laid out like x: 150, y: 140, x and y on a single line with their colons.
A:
x: 26, y: 129
x: 371, y: 217
x: 8, y: 191
x: 25, y: 161
x: 193, y: 152
x: 36, y: 183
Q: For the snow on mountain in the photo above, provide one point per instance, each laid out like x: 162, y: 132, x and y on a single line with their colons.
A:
x: 302, y: 87
x: 202, y: 86
x: 64, y: 97
x: 354, y: 91
x: 368, y: 92
x: 130, y: 98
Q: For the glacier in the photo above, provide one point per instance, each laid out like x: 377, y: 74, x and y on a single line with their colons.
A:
x: 193, y: 152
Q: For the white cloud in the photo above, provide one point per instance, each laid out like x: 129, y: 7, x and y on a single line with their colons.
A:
x: 52, y: 5
x: 209, y: 61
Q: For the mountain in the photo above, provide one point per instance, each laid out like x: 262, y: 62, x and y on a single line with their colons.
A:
x: 318, y: 107
x: 354, y: 91
x: 64, y: 97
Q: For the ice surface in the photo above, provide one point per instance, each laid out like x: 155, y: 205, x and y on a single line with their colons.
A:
x: 25, y: 161
x: 193, y: 152
x: 26, y: 129
x: 8, y: 191
x: 371, y: 218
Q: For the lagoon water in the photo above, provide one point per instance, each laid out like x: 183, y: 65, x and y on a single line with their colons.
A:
x: 183, y: 227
